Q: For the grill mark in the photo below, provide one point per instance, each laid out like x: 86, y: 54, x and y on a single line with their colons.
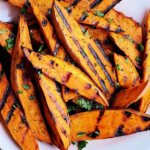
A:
x: 100, y: 115
x: 101, y: 64
x: 98, y: 43
x: 11, y: 36
x: 63, y: 18
x: 83, y: 29
x: 4, y: 99
x: 24, y: 135
x: 146, y: 56
x: 145, y: 119
x: 20, y: 66
x: 128, y: 114
x: 90, y: 64
x: 107, y: 27
x: 111, y: 6
x: 44, y: 23
x: 94, y: 4
x: 51, y: 63
x: 56, y: 49
x: 93, y: 134
x: 49, y: 14
x: 58, y: 86
x: 75, y: 2
x: 64, y: 132
x: 26, y: 4
x: 66, y: 78
x: 119, y: 131
x: 118, y: 30
x: 66, y: 90
x: 83, y: 17
x: 10, y: 114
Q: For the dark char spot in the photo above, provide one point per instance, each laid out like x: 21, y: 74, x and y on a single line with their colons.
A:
x: 56, y: 49
x: 66, y: 78
x: 51, y: 62
x: 138, y: 130
x: 95, y: 3
x: 20, y: 66
x: 58, y: 86
x: 146, y: 56
x: 145, y: 119
x: 94, y: 134
x: 100, y: 115
x: 88, y: 86
x: 83, y: 17
x: 44, y: 23
x: 26, y: 4
x: 66, y: 90
x: 83, y: 29
x: 107, y: 27
x: 125, y: 78
x: 75, y: 2
x: 11, y: 36
x: 119, y: 131
x: 128, y: 114
x: 38, y: 71
x: 118, y: 30
x: 107, y: 41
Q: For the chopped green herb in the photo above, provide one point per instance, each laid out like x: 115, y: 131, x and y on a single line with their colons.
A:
x: 23, y: 10
x: 81, y: 134
x: 96, y: 64
x: 118, y: 68
x: 26, y: 86
x: 31, y: 97
x: 42, y: 53
x: 19, y: 92
x: 40, y: 48
x: 73, y: 143
x: 63, y: 25
x: 85, y: 13
x: 10, y: 43
x: 66, y: 8
x: 147, y: 69
x: 117, y: 85
x: 31, y: 35
x: 138, y: 58
x: 98, y: 13
x: 111, y: 54
x: 110, y: 20
x: 0, y: 75
x: 96, y: 132
x: 3, y: 30
x: 86, y: 33
x: 127, y: 60
x: 73, y: 63
x: 14, y: 106
x: 42, y: 74
x: 79, y: 123
x: 71, y: 109
x: 121, y: 40
x: 141, y: 47
x: 99, y: 106
x: 82, y: 144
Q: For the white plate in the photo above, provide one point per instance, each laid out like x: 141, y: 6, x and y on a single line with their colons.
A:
x: 138, y: 9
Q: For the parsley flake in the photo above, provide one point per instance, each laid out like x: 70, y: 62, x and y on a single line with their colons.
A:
x: 96, y: 132
x: 81, y: 134
x: 3, y: 30
x: 26, y: 87
x: 110, y: 20
x: 23, y: 10
x: 141, y: 47
x: 96, y: 64
x: 99, y: 13
x: 147, y: 69
x: 118, y: 68
x: 10, y: 43
x: 138, y: 58
x: 121, y: 40
x: 19, y: 92
x: 0, y: 75
x: 31, y: 97
x: 66, y: 8
x: 82, y: 144
x: 85, y: 13
x: 73, y: 143
x: 86, y: 33
x: 63, y: 25
x: 31, y: 35
x: 40, y: 48
x: 42, y: 74
x: 127, y: 60
x: 117, y: 85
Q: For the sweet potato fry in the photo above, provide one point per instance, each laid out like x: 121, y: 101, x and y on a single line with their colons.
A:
x: 13, y: 116
x: 7, y: 38
x: 66, y: 74
x: 53, y: 43
x: 126, y: 73
x: 145, y: 101
x: 129, y: 47
x: 83, y: 50
x: 81, y: 16
x: 23, y: 86
x: 126, y: 97
x: 57, y: 115
x: 103, y: 124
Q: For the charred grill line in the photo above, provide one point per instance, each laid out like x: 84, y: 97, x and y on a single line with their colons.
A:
x: 101, y: 64
x: 56, y: 49
x: 24, y: 121
x: 98, y: 43
x: 58, y: 86
x: 119, y: 131
x: 66, y: 90
x: 111, y: 6
x: 4, y: 99
x: 90, y: 64
x: 83, y: 29
x: 94, y: 4
x: 83, y: 17
x: 10, y: 114
x: 63, y: 18
x: 75, y: 2
x: 20, y: 66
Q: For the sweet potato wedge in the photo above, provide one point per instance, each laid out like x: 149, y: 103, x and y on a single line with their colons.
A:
x: 103, y: 6
x: 101, y: 36
x: 23, y: 86
x: 83, y: 50
x: 66, y: 74
x: 145, y: 101
x: 13, y: 116
x: 53, y: 43
x: 57, y: 118
x: 130, y: 26
x: 129, y: 47
x: 81, y: 16
x: 103, y: 124
x: 7, y: 38
x: 126, y: 97
x: 127, y: 74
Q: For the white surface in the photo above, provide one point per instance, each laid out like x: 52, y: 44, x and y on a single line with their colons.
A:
x: 137, y: 9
